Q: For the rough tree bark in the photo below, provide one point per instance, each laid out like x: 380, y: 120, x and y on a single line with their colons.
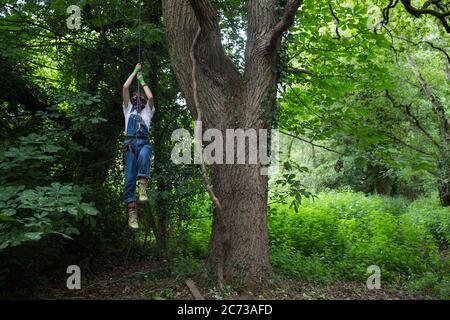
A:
x: 231, y: 100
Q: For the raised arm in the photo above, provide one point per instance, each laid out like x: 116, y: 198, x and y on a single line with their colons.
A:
x: 127, y: 84
x: 148, y: 92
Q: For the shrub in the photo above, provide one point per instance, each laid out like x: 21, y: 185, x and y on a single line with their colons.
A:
x: 291, y: 263
x: 346, y: 233
x: 435, y: 218
x: 32, y: 215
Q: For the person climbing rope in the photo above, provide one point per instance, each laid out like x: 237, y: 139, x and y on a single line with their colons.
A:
x: 136, y: 148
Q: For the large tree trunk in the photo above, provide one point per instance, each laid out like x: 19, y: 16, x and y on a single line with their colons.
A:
x: 227, y: 100
x: 243, y: 195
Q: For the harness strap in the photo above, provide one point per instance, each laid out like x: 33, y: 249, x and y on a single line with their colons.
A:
x: 131, y: 139
x: 136, y: 137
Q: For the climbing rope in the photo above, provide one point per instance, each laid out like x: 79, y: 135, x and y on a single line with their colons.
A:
x: 139, y: 51
x: 137, y: 126
x: 138, y: 100
x: 139, y: 32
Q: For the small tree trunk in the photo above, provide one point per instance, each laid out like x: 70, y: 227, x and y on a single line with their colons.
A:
x: 444, y: 193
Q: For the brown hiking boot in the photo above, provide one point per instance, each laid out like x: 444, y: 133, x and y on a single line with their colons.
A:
x: 142, y: 190
x: 133, y: 217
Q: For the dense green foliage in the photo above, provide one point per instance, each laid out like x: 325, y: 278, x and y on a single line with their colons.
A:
x: 360, y: 188
x: 341, y: 234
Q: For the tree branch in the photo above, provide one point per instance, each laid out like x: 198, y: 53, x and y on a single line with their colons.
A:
x: 431, y: 2
x: 442, y: 16
x: 338, y: 35
x: 206, y: 181
x: 391, y: 5
x: 209, y: 47
x: 311, y: 142
x: 206, y: 14
x: 438, y: 108
x: 283, y: 25
x: 302, y: 71
x: 394, y: 138
x: 413, y: 118
x: 431, y: 44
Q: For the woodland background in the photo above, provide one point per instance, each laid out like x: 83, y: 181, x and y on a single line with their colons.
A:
x: 361, y: 103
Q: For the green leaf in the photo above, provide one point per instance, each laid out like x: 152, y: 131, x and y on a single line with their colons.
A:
x: 9, y: 212
x: 4, y: 217
x: 65, y: 236
x: 33, y: 236
x: 88, y: 209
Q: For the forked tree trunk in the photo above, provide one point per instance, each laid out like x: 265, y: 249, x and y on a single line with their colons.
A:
x: 228, y: 100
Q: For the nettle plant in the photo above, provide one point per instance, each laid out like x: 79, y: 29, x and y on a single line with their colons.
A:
x: 32, y: 214
x: 37, y: 205
x: 289, y: 187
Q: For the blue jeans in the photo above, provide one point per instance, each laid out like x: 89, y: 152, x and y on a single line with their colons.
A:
x: 136, y: 165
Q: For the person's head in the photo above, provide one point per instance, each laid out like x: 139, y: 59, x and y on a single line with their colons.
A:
x: 135, y: 97
x: 138, y: 94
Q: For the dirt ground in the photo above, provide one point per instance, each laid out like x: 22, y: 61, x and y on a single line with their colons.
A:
x: 142, y: 280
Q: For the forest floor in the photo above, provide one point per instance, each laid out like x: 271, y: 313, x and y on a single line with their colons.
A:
x: 143, y: 280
